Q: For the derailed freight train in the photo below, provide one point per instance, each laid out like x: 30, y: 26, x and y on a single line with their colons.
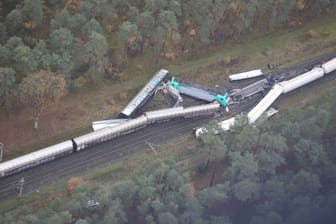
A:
x: 67, y: 147
x: 278, y: 89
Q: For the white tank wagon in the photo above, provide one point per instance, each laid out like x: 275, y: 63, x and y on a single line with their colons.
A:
x: 109, y: 133
x: 301, y: 80
x: 92, y: 138
x: 202, y: 109
x: 265, y: 103
x: 176, y: 112
x: 164, y: 114
x: 129, y: 126
x: 36, y: 158
x: 246, y: 75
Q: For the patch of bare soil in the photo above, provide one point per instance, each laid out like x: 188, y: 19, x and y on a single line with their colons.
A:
x: 73, y: 114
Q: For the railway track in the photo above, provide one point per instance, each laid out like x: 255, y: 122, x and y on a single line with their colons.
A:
x: 111, y: 151
x: 103, y: 154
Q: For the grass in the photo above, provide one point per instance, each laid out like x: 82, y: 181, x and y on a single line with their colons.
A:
x: 126, y: 168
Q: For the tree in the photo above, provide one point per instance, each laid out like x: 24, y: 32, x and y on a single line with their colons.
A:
x: 81, y: 221
x: 14, y: 21
x: 3, y: 32
x: 167, y: 218
x: 62, y: 64
x: 115, y: 214
x: 205, y: 13
x: 32, y: 11
x: 56, y: 3
x: 5, y: 56
x: 60, y: 217
x: 246, y: 190
x: 95, y: 8
x: 41, y: 89
x: 42, y: 55
x: 92, y: 25
x: 247, y: 140
x: 308, y: 153
x: 167, y: 19
x: 304, y: 183
x: 220, y: 220
x: 155, y: 6
x: 212, y: 195
x: 24, y: 59
x: 65, y: 57
x: 74, y: 22
x: 212, y: 143
x: 61, y: 40
x: 145, y: 22
x: 130, y: 36
x: 271, y: 217
x: 96, y: 55
x: 214, y: 146
x: 18, y: 55
x: 269, y: 161
x: 161, y: 194
x: 7, y: 83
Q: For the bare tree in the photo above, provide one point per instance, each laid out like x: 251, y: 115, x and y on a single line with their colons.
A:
x: 41, y: 89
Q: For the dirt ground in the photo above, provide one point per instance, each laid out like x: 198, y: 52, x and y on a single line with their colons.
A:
x: 72, y: 115
x: 75, y: 112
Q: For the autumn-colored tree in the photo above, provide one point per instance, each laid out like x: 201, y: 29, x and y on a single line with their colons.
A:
x: 40, y: 89
x: 73, y: 182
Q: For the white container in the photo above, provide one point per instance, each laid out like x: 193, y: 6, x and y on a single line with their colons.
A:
x: 302, y: 80
x: 246, y: 75
x: 227, y: 124
x: 97, y: 125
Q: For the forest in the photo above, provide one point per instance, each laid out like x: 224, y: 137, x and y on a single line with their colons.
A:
x: 278, y: 171
x: 87, y: 41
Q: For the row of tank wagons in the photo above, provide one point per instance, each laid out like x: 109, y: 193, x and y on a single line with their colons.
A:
x: 105, y: 134
x: 278, y: 89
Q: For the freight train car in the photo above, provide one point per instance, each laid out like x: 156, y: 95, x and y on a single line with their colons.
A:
x: 144, y: 95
